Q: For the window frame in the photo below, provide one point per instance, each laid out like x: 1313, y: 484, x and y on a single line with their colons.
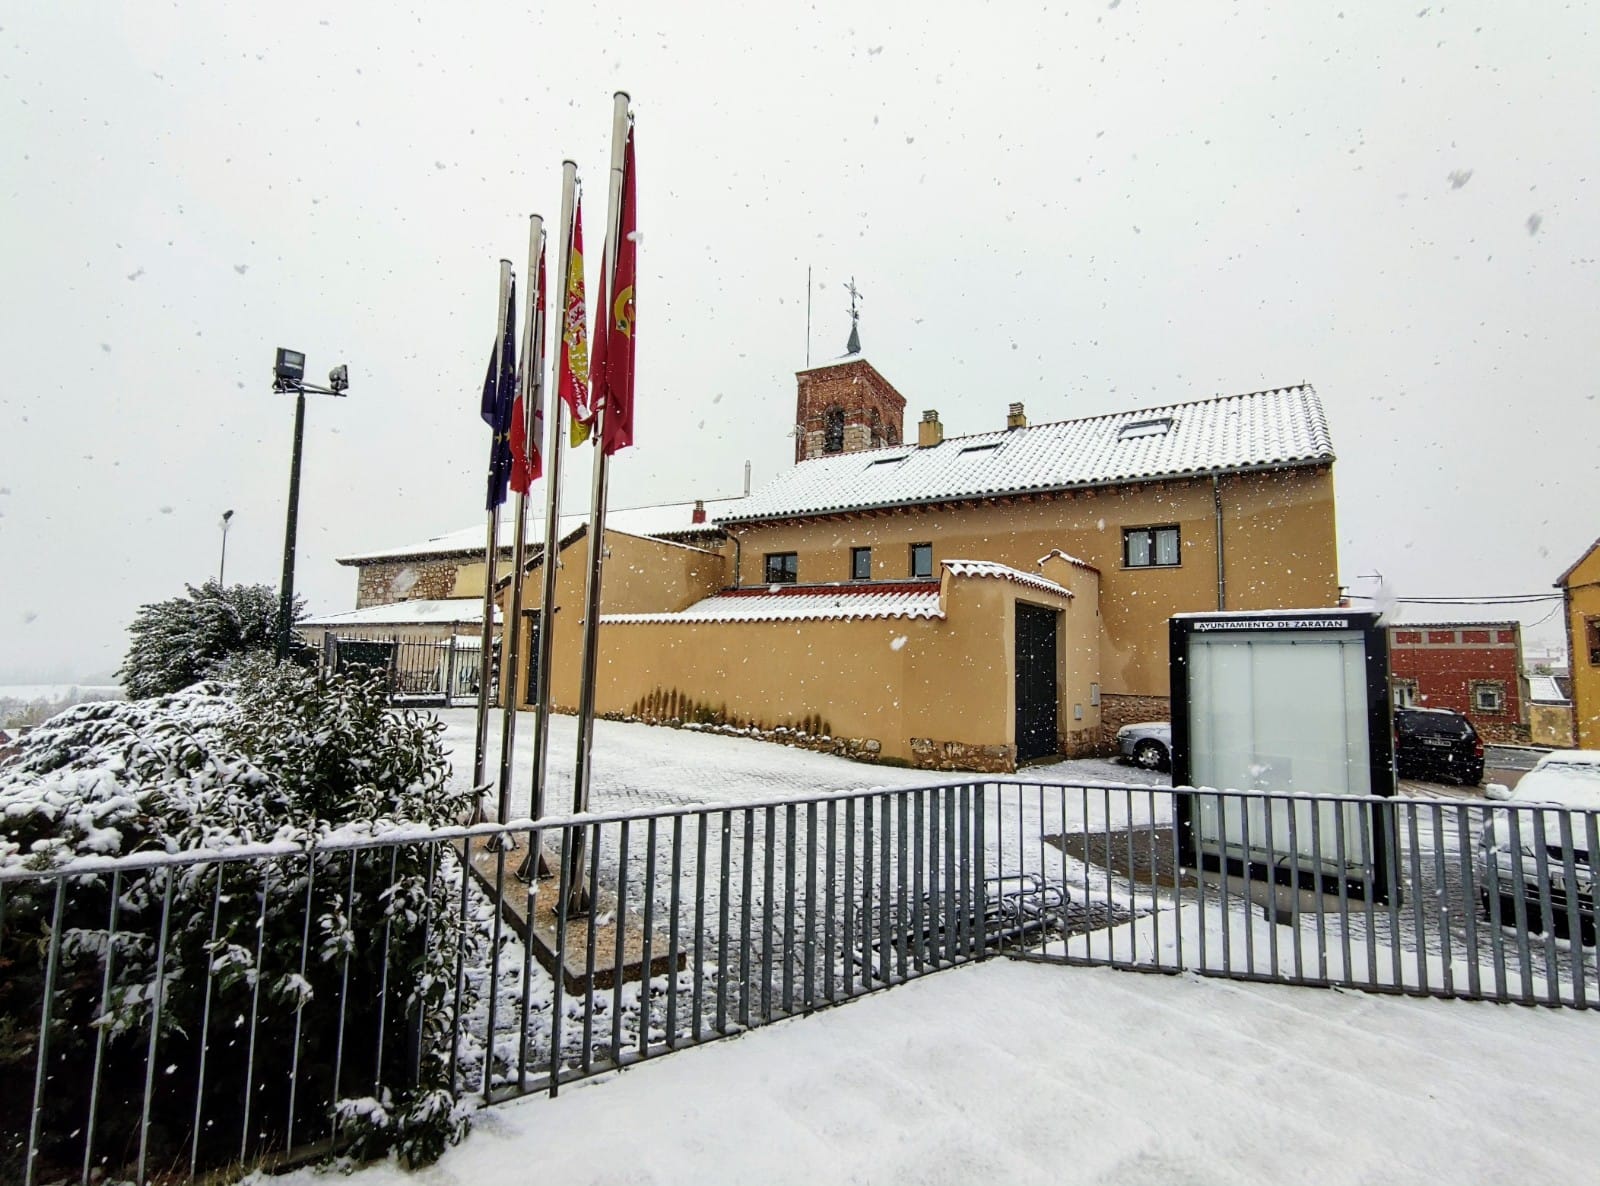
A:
x: 921, y: 576
x: 1152, y: 535
x: 793, y: 567
x: 856, y: 556
x: 1494, y: 687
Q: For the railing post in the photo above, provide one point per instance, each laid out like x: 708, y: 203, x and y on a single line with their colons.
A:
x: 979, y: 870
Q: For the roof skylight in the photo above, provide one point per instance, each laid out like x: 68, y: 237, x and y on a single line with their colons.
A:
x: 1145, y: 428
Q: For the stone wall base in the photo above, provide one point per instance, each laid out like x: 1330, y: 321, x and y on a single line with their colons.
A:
x: 929, y: 754
x: 1082, y: 743
x: 862, y: 749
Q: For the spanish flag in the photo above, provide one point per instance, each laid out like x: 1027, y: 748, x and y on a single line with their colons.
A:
x: 573, y: 387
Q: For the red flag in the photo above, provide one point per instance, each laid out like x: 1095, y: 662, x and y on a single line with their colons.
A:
x: 526, y: 464
x: 613, y: 361
x: 573, y: 385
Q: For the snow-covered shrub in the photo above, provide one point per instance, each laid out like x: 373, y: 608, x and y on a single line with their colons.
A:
x: 281, y: 967
x: 176, y: 642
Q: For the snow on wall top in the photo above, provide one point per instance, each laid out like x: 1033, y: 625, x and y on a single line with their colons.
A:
x: 407, y: 613
x: 676, y: 518
x: 988, y: 568
x: 1073, y: 560
x: 795, y: 603
x: 1285, y: 426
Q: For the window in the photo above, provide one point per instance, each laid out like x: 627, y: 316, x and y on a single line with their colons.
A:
x: 1592, y: 630
x: 782, y: 568
x: 979, y: 448
x: 1405, y: 692
x: 1150, y: 547
x: 922, y: 560
x: 1488, y: 696
x: 860, y: 564
x: 833, y: 431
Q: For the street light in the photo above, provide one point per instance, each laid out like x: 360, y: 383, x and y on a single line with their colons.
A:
x: 288, y: 374
x: 222, y: 566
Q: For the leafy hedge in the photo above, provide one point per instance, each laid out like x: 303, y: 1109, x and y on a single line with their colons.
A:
x: 174, y: 643
x: 355, y: 1022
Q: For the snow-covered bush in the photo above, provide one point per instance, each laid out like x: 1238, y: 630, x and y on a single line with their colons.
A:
x: 285, y: 969
x: 176, y: 642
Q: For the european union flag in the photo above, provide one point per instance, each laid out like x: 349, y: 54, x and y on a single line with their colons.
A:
x: 499, y: 397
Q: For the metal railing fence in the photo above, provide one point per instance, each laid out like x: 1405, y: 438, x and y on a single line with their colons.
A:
x: 418, y: 671
x: 165, y: 1014
x: 168, y: 1014
x: 1462, y: 898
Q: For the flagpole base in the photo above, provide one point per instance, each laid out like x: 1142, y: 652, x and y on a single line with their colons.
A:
x: 536, y: 855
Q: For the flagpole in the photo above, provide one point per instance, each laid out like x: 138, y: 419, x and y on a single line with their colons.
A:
x: 481, y: 747
x: 578, y: 902
x: 552, y: 544
x: 531, y: 381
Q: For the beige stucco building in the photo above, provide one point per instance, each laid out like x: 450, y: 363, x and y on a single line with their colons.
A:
x: 964, y: 602
x: 1580, y: 591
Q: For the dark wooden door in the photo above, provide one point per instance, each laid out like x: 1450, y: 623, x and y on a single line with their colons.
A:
x: 530, y: 689
x: 1036, y: 683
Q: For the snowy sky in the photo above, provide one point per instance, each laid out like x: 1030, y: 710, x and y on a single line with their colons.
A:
x: 1085, y: 207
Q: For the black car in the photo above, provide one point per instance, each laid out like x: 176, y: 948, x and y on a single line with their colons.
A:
x: 1437, y: 743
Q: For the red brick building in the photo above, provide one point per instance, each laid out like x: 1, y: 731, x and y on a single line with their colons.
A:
x: 1472, y: 667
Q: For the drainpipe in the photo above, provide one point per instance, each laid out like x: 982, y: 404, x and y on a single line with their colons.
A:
x: 738, y: 555
x: 1222, y: 579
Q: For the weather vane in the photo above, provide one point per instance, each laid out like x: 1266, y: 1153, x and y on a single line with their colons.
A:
x: 854, y: 345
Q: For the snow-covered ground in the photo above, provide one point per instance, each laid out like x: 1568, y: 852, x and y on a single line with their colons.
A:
x: 761, y: 924
x: 1011, y: 1072
x: 746, y: 910
x: 641, y: 766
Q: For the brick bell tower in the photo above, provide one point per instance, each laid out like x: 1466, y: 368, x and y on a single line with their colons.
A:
x: 846, y: 406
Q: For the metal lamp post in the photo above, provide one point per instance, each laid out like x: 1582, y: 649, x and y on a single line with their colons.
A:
x: 222, y: 565
x: 288, y: 374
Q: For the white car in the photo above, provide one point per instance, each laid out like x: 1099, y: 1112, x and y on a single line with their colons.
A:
x: 1147, y: 744
x: 1523, y: 853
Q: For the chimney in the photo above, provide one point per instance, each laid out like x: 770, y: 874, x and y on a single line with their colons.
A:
x: 1016, y: 418
x: 930, y: 432
x: 699, y: 511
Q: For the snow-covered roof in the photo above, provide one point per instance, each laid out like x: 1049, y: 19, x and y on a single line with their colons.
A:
x: 668, y: 519
x: 1263, y: 429
x: 794, y: 603
x: 988, y: 568
x: 420, y: 612
x: 1543, y: 689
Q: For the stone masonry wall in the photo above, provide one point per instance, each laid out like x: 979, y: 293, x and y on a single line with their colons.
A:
x: 405, y: 580
x: 929, y: 754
